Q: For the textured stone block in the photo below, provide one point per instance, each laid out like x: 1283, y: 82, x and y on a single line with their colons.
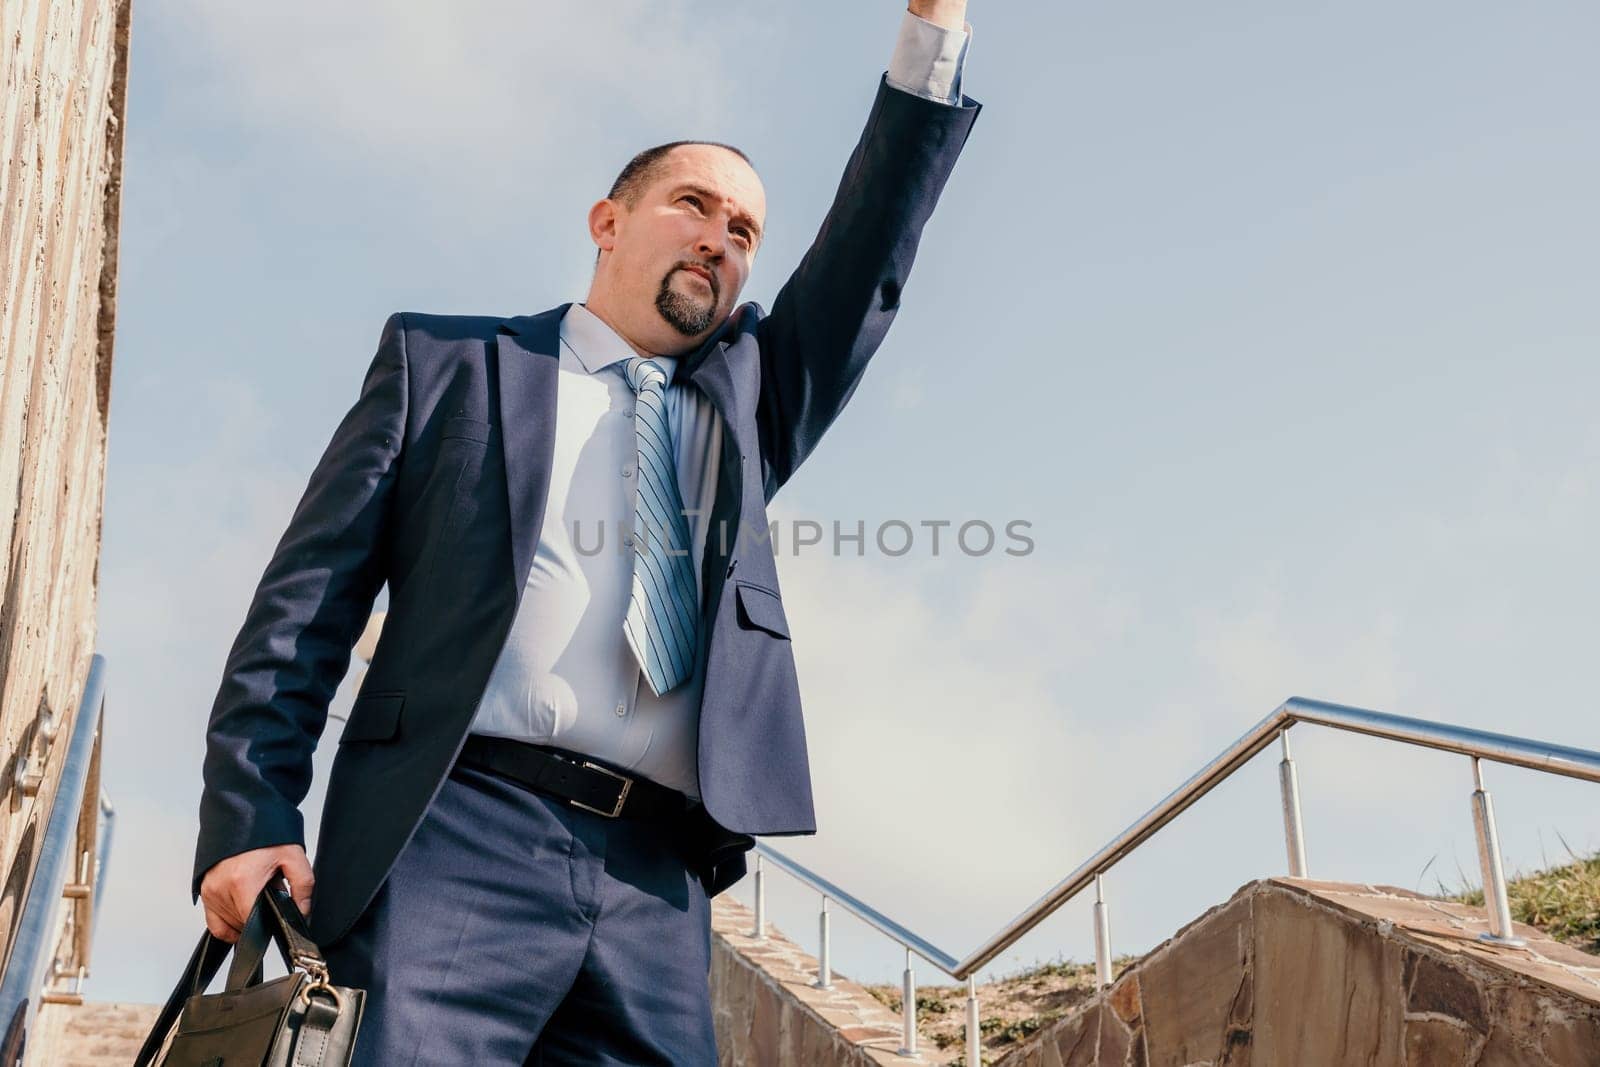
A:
x: 1316, y: 974
x: 1188, y: 995
x: 767, y: 1011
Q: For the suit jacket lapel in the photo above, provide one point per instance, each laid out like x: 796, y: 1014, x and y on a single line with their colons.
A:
x: 529, y: 355
x: 529, y: 349
x: 711, y: 375
x: 709, y: 370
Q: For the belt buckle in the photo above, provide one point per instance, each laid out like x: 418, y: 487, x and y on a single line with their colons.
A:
x: 627, y: 783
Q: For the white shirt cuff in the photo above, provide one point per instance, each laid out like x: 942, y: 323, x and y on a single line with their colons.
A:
x: 928, y: 58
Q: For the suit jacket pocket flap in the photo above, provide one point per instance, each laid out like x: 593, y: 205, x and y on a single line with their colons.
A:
x: 763, y: 608
x: 373, y: 717
x: 462, y: 426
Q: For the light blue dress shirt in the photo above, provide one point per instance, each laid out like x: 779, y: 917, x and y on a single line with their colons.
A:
x: 566, y: 676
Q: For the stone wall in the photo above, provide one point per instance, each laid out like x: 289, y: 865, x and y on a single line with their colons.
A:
x: 1311, y: 973
x: 91, y: 1035
x: 63, y: 65
x: 769, y: 1011
x: 1287, y: 973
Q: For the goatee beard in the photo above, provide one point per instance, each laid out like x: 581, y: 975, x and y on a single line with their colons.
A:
x: 683, y: 313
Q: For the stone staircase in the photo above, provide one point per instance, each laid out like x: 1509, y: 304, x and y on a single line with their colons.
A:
x: 1287, y: 973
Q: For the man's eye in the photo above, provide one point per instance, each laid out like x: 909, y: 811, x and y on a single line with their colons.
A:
x: 695, y: 200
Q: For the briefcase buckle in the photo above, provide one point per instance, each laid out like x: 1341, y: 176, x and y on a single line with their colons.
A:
x: 324, y: 986
x: 616, y: 810
x: 315, y: 966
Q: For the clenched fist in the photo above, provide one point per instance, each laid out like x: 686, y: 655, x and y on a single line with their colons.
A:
x: 230, y: 887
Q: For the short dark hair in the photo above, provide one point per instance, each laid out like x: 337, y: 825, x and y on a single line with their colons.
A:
x: 645, y: 167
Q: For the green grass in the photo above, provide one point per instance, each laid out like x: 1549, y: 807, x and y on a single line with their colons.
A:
x: 1563, y: 901
x: 1016, y: 1005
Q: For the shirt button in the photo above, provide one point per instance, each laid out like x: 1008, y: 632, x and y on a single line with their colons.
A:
x: 622, y: 709
x: 628, y: 540
x: 627, y: 472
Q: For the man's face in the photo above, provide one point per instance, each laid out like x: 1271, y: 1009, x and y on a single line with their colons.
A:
x: 686, y: 247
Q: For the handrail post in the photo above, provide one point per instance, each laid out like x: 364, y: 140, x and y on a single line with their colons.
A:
x: 824, y: 968
x: 760, y: 932
x: 1293, y: 831
x: 908, y: 1010
x: 1102, y: 934
x: 108, y: 822
x: 974, y: 1044
x: 1494, y: 874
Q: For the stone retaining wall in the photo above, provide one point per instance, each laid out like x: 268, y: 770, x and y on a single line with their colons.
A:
x: 769, y: 1011
x: 1311, y: 973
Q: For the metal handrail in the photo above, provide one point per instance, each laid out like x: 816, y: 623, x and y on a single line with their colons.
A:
x: 868, y: 914
x: 1476, y: 744
x: 27, y: 965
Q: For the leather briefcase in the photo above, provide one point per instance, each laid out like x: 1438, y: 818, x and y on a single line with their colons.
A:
x: 297, y: 1020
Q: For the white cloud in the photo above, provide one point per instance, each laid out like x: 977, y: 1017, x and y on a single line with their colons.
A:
x: 978, y: 727
x: 462, y: 84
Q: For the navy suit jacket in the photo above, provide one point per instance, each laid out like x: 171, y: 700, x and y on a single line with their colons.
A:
x: 435, y: 483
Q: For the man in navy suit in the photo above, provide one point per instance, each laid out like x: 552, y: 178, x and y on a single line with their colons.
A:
x: 583, y: 704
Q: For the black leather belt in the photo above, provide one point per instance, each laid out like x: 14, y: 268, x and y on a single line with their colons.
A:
x: 575, y: 778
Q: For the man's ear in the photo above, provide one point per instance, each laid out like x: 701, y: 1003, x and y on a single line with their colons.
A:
x: 603, y: 224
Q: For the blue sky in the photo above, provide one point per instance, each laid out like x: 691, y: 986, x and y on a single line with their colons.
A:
x: 1279, y: 327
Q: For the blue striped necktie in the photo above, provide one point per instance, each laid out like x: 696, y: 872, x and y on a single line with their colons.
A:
x: 662, y: 615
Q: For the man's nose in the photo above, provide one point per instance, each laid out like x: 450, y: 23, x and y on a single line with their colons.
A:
x: 712, y: 242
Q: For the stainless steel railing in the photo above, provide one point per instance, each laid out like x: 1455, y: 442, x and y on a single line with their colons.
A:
x: 66, y: 874
x: 1477, y: 745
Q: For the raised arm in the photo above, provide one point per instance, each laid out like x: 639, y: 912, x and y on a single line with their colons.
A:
x: 830, y: 316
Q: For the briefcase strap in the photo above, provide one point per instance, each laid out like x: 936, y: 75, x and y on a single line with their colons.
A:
x: 295, y: 944
x: 203, y: 964
x: 249, y: 954
x: 285, y: 915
